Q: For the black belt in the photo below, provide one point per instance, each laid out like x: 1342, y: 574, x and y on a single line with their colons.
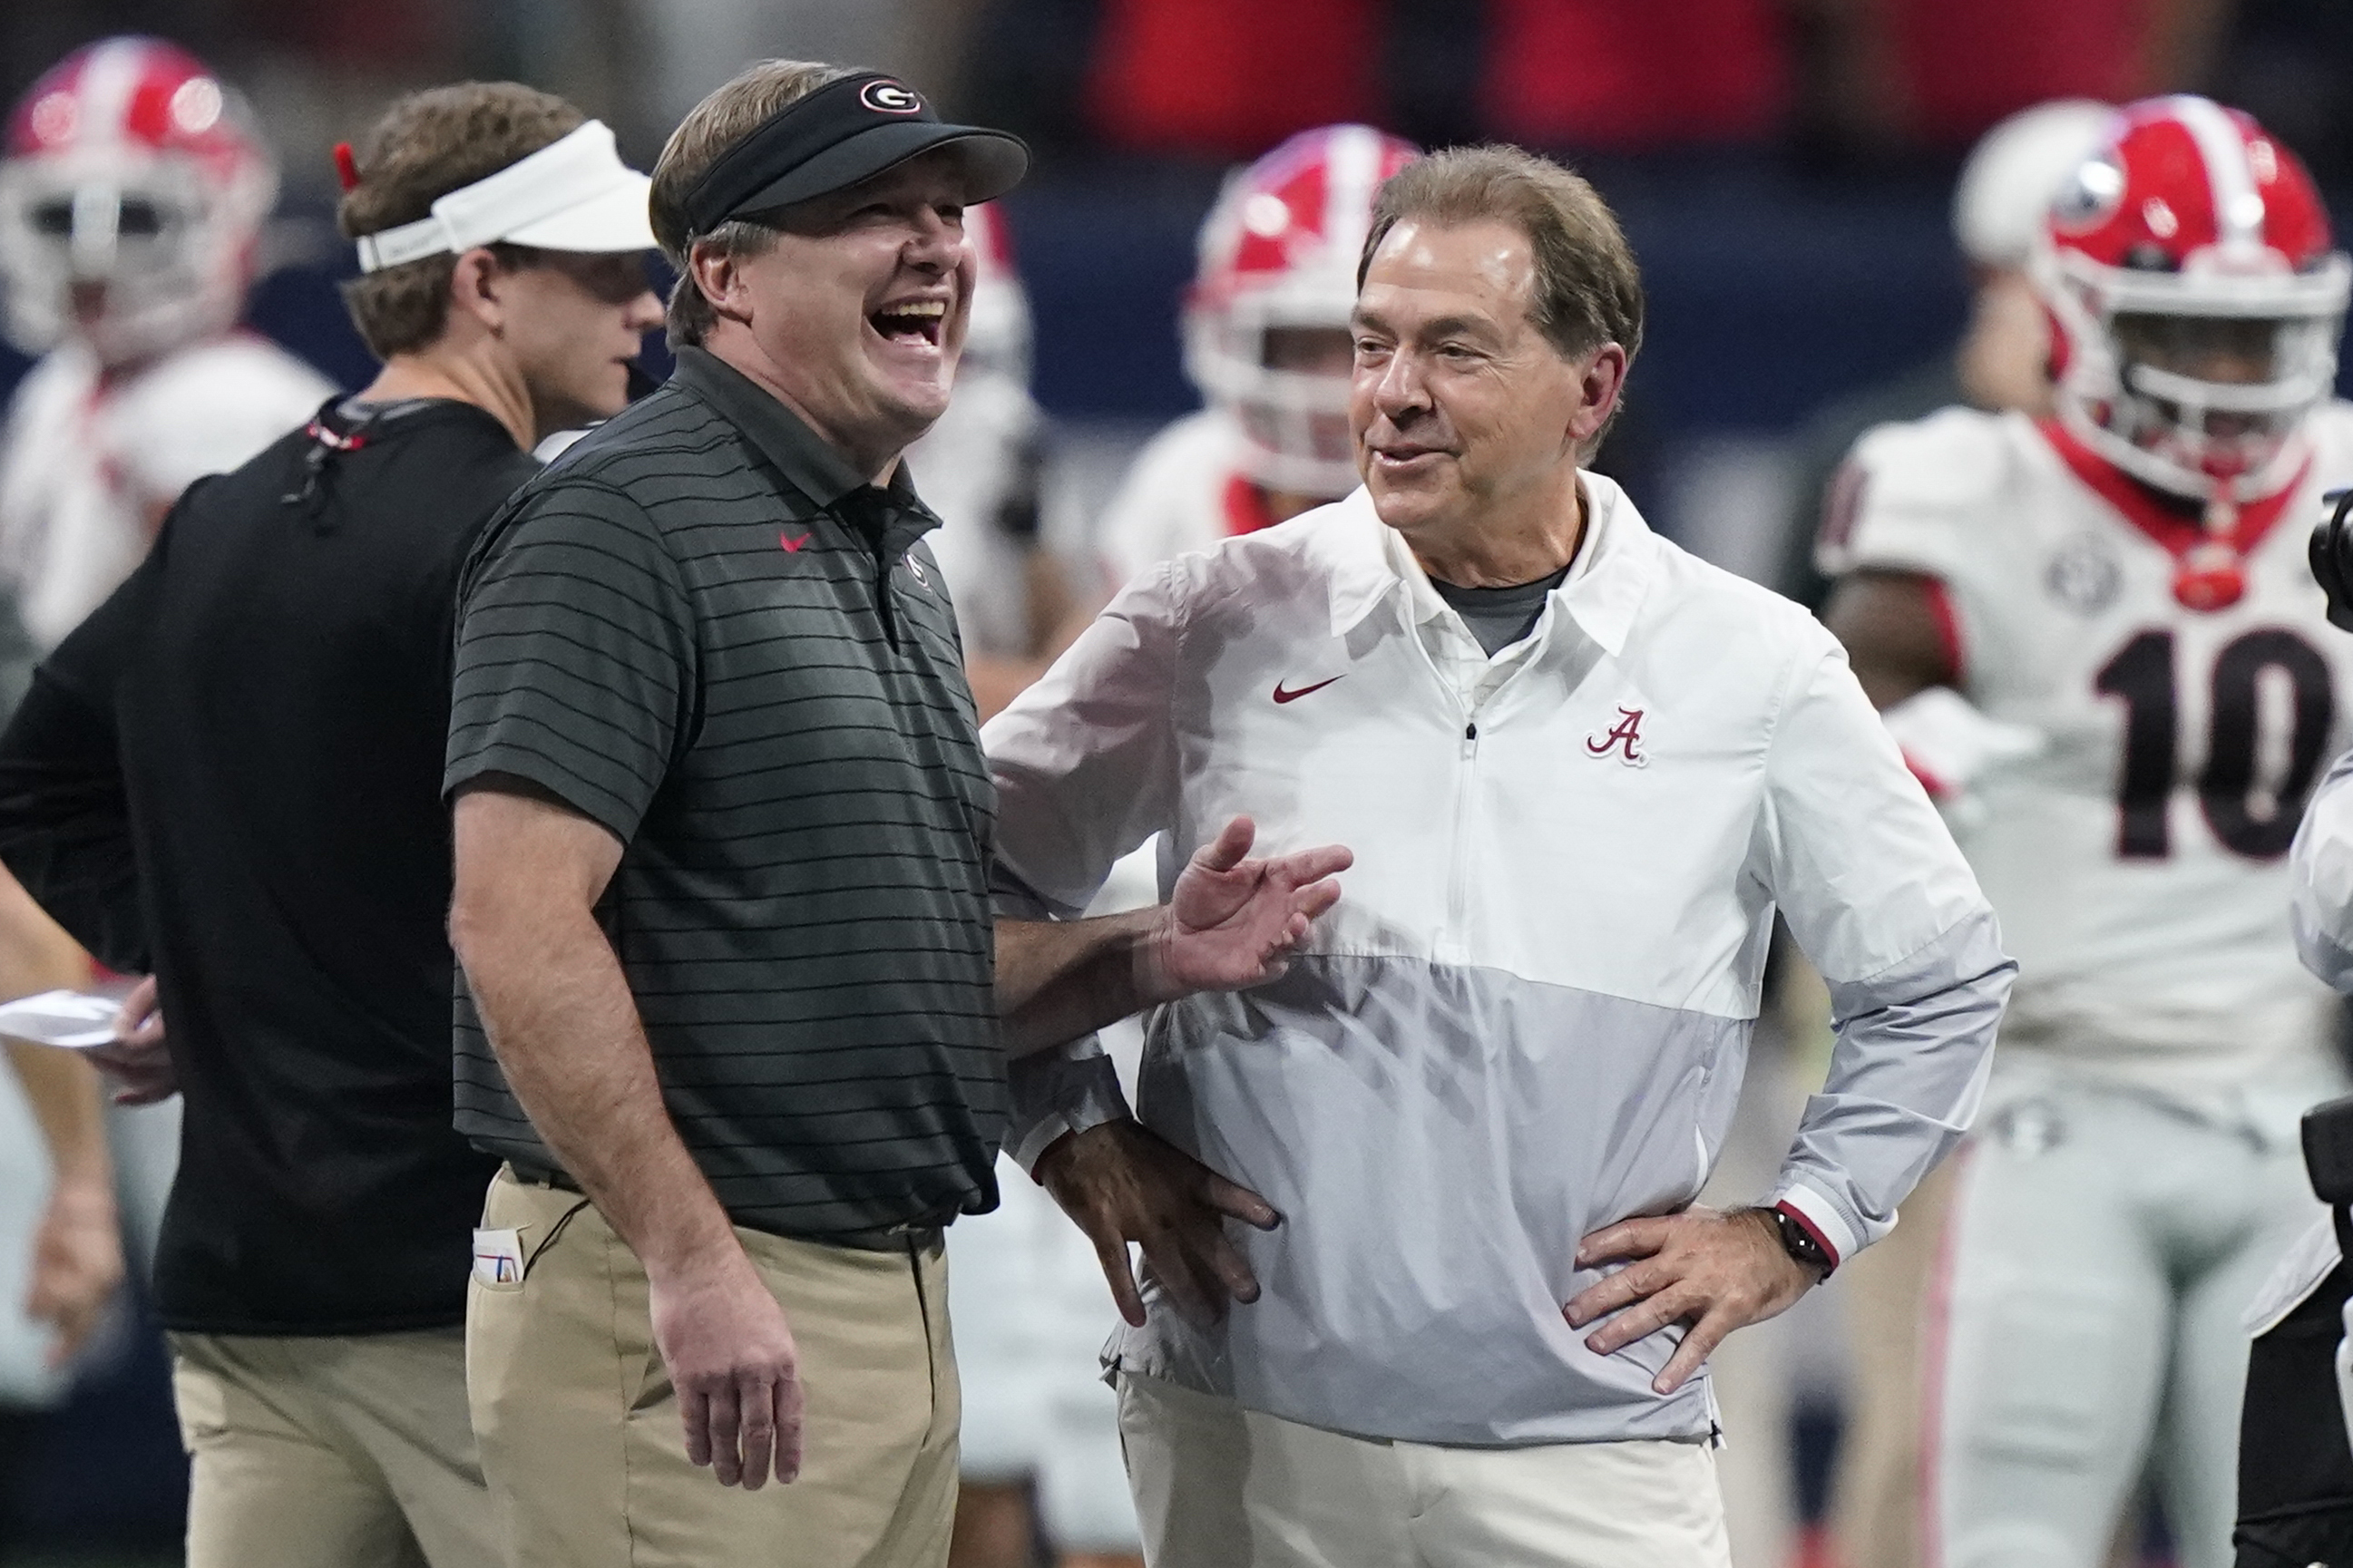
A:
x: 920, y: 1234
x: 532, y: 1176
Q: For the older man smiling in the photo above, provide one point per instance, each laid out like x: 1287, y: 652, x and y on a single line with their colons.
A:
x: 732, y: 1011
x: 1582, y: 772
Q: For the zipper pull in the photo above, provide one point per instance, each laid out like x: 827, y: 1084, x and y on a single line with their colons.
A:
x: 1470, y: 741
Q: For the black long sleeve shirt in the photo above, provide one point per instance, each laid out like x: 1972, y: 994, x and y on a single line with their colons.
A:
x: 230, y: 775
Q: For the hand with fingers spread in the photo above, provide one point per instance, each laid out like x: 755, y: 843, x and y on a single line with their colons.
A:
x: 1231, y: 922
x: 1713, y: 1270
x: 138, y: 1061
x: 730, y: 1358
x: 1122, y: 1183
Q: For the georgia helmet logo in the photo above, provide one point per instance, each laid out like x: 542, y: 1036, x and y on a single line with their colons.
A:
x: 2090, y: 196
x: 884, y: 96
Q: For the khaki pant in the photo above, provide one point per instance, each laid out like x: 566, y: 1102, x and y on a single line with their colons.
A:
x: 1221, y: 1487
x: 350, y: 1451
x: 579, y: 1427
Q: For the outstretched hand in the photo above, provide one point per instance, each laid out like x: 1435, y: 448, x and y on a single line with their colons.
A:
x: 1232, y: 922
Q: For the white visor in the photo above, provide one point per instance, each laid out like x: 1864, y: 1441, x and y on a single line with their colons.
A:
x: 575, y: 193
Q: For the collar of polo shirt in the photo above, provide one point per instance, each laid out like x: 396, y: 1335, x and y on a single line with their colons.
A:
x: 575, y: 193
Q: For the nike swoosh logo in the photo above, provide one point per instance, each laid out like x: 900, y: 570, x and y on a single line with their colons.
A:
x: 1282, y: 696
x: 793, y: 546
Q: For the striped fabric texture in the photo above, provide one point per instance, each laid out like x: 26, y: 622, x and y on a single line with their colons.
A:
x: 702, y: 631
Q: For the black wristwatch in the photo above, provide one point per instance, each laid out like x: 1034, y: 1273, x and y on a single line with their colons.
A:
x: 1799, y: 1243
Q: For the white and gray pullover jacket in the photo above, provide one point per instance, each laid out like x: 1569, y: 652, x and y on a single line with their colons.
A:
x: 1529, y: 1015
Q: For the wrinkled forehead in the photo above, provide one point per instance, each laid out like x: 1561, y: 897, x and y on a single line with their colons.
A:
x: 1426, y: 276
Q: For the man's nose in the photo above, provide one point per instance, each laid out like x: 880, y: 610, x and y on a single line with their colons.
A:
x: 936, y: 242
x: 1401, y: 391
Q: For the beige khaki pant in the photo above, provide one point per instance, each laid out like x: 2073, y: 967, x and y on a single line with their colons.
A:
x: 1218, y: 1486
x: 580, y: 1433
x: 353, y: 1451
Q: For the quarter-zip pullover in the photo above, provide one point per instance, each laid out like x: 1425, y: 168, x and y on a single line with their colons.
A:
x: 1528, y: 1016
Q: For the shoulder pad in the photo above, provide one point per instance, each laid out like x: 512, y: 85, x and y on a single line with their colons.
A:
x: 1908, y: 492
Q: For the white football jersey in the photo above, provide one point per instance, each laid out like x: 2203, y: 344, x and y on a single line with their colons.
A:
x: 1184, y: 492
x: 2138, y: 860
x: 89, y: 463
x: 973, y: 464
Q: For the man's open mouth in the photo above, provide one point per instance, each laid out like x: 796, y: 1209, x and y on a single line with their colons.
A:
x: 911, y: 322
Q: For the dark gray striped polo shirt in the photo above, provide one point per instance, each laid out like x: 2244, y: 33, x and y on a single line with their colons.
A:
x: 702, y: 629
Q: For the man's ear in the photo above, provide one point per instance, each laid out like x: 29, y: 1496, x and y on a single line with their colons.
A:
x: 1601, y: 378
x: 474, y: 288
x: 719, y: 273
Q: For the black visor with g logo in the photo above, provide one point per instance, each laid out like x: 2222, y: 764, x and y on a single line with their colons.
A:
x: 845, y: 132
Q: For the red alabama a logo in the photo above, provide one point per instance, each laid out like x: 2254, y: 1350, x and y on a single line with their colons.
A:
x: 1627, y: 734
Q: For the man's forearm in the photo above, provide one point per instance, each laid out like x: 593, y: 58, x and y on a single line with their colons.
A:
x: 566, y: 1032
x: 1058, y: 980
x: 66, y: 1099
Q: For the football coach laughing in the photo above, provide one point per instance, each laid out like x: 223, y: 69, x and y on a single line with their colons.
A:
x: 735, y: 1007
x: 1583, y: 771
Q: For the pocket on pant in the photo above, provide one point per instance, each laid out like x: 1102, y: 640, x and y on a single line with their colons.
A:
x: 200, y: 1399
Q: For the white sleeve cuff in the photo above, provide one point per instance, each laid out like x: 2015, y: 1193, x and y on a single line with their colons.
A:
x: 1822, y: 1217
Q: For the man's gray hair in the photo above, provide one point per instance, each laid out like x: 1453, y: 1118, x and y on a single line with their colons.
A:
x: 1589, y: 289
x: 734, y: 111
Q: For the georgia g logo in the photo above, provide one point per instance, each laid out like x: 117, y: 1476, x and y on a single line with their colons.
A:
x: 888, y: 97
x: 1624, y: 737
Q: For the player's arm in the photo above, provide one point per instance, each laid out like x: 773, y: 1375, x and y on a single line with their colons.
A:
x: 77, y: 1251
x: 1893, y: 627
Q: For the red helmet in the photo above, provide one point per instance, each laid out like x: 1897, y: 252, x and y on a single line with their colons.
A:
x: 132, y: 166
x: 2197, y: 299
x: 1279, y: 251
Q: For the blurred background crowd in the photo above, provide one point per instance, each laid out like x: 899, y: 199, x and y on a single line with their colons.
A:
x: 1785, y: 169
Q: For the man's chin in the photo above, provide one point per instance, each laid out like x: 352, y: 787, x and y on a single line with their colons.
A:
x: 1412, y: 504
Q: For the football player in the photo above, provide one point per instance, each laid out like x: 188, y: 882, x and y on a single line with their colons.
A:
x: 979, y: 470
x: 132, y: 193
x: 2100, y: 646
x: 1040, y: 1437
x: 1267, y: 343
x: 132, y: 201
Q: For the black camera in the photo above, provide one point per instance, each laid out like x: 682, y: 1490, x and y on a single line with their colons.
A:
x: 2332, y: 559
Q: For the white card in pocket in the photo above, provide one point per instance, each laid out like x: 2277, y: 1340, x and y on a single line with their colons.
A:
x: 498, y: 1258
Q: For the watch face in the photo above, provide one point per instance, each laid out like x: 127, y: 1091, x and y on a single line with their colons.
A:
x: 1801, y: 1245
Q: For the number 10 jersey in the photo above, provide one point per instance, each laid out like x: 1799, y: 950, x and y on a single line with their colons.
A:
x: 2137, y: 861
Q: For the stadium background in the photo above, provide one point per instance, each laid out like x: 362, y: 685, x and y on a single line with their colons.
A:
x: 1783, y: 168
